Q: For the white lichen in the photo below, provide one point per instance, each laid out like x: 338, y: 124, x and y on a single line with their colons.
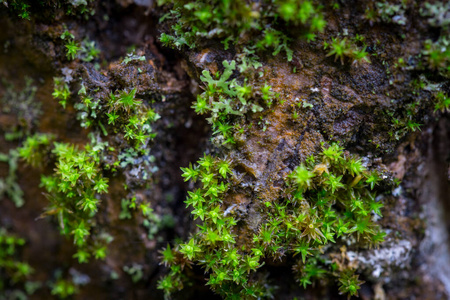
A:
x: 397, y: 254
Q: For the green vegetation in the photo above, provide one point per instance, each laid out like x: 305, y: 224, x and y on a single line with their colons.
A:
x: 434, y: 57
x: 191, y: 22
x: 436, y: 13
x: 14, y: 273
x: 20, y: 7
x: 63, y: 289
x: 349, y: 284
x: 437, y: 52
x: 8, y: 185
x: 342, y: 48
x: 442, y: 102
x: 402, y: 124
x: 391, y: 13
x: 132, y: 57
x: 61, y: 91
x: 76, y: 186
x: 437, y: 55
x: 135, y: 271
x: 224, y: 98
x: 120, y: 113
x: 327, y: 200
x: 28, y: 9
x: 89, y: 51
x: 86, y: 50
x: 34, y: 148
x: 72, y: 48
x: 73, y: 190
x: 64, y: 286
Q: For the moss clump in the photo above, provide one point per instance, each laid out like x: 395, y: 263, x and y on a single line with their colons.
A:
x: 437, y: 52
x: 81, y: 173
x: 225, y: 99
x: 326, y: 201
x: 28, y: 9
x: 73, y: 190
x: 8, y: 185
x: 14, y: 273
x: 236, y: 21
x: 342, y: 48
x: 34, y: 149
x: 122, y: 113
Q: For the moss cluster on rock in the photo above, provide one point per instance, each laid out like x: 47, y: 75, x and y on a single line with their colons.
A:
x: 298, y: 105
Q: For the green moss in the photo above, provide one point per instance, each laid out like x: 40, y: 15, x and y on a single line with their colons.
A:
x: 61, y: 91
x: 437, y: 55
x: 121, y: 112
x: 349, y: 284
x: 21, y: 8
x: 392, y: 13
x: 442, y: 102
x: 191, y: 22
x: 14, y: 271
x: 226, y: 99
x: 343, y: 48
x: 72, y: 48
x: 76, y: 186
x: 73, y: 191
x: 8, y: 185
x: 328, y: 200
x: 63, y: 289
x: 29, y: 9
x: 34, y: 148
